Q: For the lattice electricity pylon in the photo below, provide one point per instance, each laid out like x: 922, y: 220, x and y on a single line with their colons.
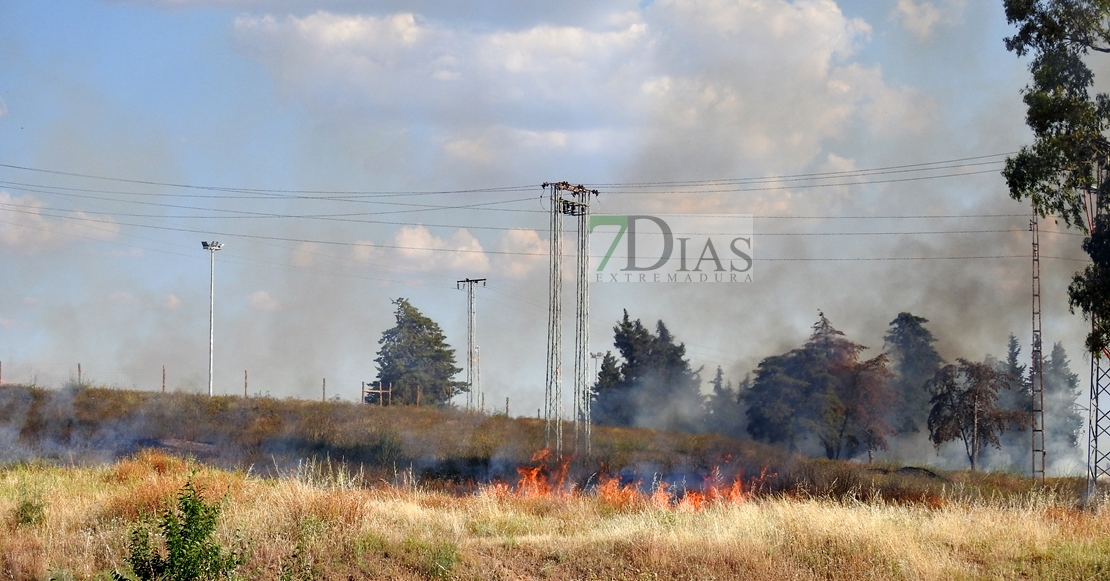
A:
x: 581, y: 209
x: 1098, y: 453
x: 553, y: 385
x: 1098, y: 428
x: 473, y: 380
x: 577, y: 205
x: 1036, y: 368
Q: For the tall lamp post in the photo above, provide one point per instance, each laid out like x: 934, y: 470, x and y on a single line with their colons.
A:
x: 211, y: 247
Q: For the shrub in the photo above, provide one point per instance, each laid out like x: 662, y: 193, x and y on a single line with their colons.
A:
x: 190, y: 551
x: 29, y: 511
x: 434, y: 560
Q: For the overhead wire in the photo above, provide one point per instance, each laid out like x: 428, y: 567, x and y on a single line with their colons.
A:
x: 806, y: 175
x: 286, y: 194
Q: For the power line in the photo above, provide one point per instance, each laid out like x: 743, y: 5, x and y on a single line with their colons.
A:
x: 418, y: 207
x: 922, y: 166
x: 811, y: 177
x: 804, y: 175
x: 266, y: 190
x: 808, y: 186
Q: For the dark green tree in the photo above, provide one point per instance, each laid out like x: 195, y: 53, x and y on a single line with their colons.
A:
x: 781, y: 404
x: 656, y: 386
x: 723, y: 411
x: 965, y: 407
x: 612, y: 401
x: 415, y: 359
x: 914, y: 362
x: 1018, y: 396
x: 823, y: 391
x: 1063, y: 420
x: 1089, y: 290
x: 1065, y: 166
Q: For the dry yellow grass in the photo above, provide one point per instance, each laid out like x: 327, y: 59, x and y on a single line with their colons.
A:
x: 325, y: 528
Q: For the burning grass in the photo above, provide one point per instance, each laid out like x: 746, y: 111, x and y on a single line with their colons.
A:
x: 321, y: 523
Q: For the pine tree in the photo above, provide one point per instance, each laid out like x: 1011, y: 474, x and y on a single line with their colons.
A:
x: 1063, y: 420
x: 612, y: 403
x: 1018, y: 396
x: 416, y: 360
x: 656, y: 387
x: 914, y: 361
x: 723, y: 412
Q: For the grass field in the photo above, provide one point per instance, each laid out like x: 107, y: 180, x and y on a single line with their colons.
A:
x: 323, y: 522
x: 331, y: 490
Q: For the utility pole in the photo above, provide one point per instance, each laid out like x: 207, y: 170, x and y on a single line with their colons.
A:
x: 1036, y: 369
x: 473, y: 380
x: 577, y: 204
x: 211, y: 247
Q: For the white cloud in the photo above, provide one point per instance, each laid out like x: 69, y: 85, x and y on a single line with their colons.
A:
x: 419, y: 249
x: 763, y: 81
x: 528, y: 252
x: 262, y: 301
x: 399, y: 63
x: 171, y: 302
x: 24, y: 225
x: 920, y: 18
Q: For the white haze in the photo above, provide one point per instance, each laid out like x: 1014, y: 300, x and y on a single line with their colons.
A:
x: 390, y: 96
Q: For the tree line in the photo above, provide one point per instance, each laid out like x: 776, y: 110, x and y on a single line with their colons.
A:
x: 823, y: 397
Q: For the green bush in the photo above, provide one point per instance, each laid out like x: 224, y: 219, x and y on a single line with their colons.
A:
x: 434, y: 560
x: 30, y: 512
x: 190, y: 551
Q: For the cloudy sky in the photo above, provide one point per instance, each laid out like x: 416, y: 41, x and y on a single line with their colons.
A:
x: 349, y: 152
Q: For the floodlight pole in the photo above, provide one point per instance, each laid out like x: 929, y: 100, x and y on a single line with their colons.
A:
x: 211, y: 247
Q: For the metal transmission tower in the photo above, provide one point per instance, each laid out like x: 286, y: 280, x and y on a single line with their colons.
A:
x: 1098, y: 456
x: 577, y: 204
x: 1036, y: 369
x: 582, y: 378
x: 473, y: 381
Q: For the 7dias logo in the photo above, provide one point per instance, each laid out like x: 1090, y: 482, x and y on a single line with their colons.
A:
x: 672, y: 248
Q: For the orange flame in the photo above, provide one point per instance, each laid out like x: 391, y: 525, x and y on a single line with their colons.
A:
x: 610, y: 491
x: 547, y: 478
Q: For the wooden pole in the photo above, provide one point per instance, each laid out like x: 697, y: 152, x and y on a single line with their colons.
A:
x: 244, y: 383
x: 363, y: 396
x: 78, y: 374
x: 418, y: 396
x: 506, y: 407
x: 163, y: 379
x: 324, y: 390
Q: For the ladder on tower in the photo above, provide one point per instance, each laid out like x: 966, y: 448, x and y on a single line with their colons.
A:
x: 1036, y: 370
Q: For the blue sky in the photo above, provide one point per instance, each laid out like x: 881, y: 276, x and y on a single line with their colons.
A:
x: 419, y: 97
